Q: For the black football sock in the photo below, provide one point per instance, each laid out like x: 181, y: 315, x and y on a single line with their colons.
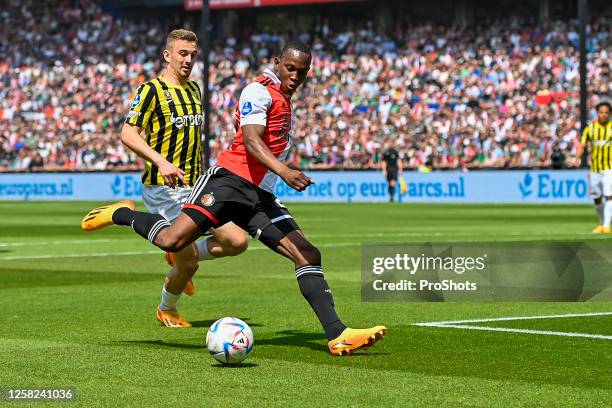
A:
x: 391, y: 191
x: 144, y: 224
x: 316, y: 291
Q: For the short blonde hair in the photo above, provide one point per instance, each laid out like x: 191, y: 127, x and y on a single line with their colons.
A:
x: 180, y: 34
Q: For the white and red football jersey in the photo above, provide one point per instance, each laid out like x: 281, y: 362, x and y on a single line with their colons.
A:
x: 261, y: 103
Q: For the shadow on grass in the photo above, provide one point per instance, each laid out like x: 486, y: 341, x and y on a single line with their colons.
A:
x: 164, y: 344
x: 240, y: 365
x: 208, y: 323
x: 296, y: 339
x: 312, y: 341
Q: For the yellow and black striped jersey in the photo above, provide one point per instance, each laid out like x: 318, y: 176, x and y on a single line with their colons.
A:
x: 600, y: 138
x: 172, y: 117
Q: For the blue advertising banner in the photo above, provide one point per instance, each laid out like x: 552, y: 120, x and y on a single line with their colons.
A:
x: 537, y: 186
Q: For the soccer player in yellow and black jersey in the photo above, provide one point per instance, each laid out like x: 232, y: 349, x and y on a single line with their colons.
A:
x: 598, y: 135
x: 168, y: 111
x: 173, y: 114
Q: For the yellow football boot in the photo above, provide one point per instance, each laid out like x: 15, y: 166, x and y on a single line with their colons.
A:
x: 354, y: 339
x: 171, y: 318
x: 598, y: 229
x: 101, y: 217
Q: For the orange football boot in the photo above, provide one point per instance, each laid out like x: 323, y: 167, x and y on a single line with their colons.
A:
x: 351, y: 340
x: 101, y: 217
x: 171, y: 318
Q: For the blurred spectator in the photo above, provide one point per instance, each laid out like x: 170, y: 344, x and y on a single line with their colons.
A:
x: 498, y: 94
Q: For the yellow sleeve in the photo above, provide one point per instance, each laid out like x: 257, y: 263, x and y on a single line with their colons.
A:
x: 586, y: 135
x: 142, y: 106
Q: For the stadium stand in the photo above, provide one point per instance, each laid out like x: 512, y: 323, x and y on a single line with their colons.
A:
x: 501, y: 95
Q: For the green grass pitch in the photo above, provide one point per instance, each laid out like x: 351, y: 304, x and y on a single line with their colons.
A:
x: 78, y: 311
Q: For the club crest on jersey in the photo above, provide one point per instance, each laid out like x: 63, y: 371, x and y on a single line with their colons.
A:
x: 136, y: 101
x: 246, y: 108
x: 208, y: 199
x: 168, y: 96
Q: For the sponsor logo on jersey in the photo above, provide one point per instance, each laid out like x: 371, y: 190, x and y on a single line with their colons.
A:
x: 208, y: 199
x: 186, y: 120
x: 136, y: 101
x: 133, y: 113
x: 285, y: 128
x: 247, y: 108
x: 601, y: 143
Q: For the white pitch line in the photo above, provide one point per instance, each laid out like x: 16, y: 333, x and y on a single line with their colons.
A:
x: 97, y: 254
x: 347, y: 235
x: 527, y: 331
x: 87, y: 241
x: 503, y: 319
x: 103, y: 254
x: 73, y: 241
x: 460, y: 324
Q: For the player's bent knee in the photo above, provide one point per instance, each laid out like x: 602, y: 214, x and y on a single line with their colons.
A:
x: 234, y: 244
x: 170, y: 241
x: 187, y: 266
x: 237, y: 246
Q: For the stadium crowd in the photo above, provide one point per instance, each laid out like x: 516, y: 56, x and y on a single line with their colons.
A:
x: 500, y: 94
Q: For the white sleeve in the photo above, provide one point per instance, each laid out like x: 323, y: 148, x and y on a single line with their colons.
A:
x: 254, y: 103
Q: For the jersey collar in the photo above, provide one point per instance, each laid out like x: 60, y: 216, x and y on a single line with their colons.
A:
x: 270, y: 74
x: 276, y: 82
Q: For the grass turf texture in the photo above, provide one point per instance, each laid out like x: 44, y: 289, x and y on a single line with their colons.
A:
x: 81, y: 315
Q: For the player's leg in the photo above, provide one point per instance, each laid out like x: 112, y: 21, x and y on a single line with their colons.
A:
x: 392, y: 181
x: 153, y: 227
x: 186, y: 265
x: 275, y: 227
x: 596, y: 194
x: 226, y: 240
x: 607, y: 192
x: 168, y: 202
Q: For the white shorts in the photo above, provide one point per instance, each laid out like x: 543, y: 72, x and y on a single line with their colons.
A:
x: 600, y: 184
x: 165, y: 201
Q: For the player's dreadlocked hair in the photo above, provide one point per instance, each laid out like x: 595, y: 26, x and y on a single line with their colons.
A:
x: 298, y: 46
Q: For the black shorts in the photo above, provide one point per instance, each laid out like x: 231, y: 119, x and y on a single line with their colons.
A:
x: 392, y: 174
x: 221, y: 196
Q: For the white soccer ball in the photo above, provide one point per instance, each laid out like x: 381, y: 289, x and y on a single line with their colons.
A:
x: 229, y: 340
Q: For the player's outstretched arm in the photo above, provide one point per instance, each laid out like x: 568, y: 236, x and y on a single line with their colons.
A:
x: 130, y: 136
x: 252, y: 135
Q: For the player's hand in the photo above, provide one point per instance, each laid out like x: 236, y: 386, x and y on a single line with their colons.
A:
x: 296, y: 179
x: 171, y: 174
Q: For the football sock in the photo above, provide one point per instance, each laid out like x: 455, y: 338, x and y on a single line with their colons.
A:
x: 599, y: 208
x: 607, y: 213
x: 316, y: 291
x: 146, y: 225
x: 391, y: 191
x: 168, y: 300
x: 203, y: 253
